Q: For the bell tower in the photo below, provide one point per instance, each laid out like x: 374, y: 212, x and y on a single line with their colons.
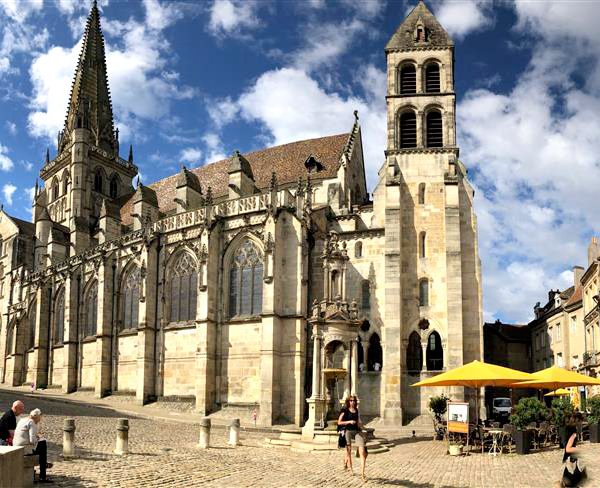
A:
x: 432, y: 271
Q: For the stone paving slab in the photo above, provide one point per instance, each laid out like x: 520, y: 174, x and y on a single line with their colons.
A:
x: 163, y: 453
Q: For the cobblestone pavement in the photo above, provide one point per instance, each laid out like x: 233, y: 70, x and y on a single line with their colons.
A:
x: 164, y: 454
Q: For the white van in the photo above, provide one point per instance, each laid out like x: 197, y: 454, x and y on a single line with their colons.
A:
x: 501, y: 407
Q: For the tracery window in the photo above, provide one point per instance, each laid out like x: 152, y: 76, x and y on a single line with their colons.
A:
x: 10, y: 336
x: 31, y: 319
x: 414, y: 353
x: 131, y: 299
x: 245, y: 281
x: 55, y: 192
x: 98, y: 181
x: 408, y: 130
x: 435, y: 353
x: 91, y: 311
x: 184, y: 289
x: 114, y: 187
x: 59, y: 319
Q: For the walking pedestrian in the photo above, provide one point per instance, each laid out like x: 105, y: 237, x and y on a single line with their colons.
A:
x: 349, y: 421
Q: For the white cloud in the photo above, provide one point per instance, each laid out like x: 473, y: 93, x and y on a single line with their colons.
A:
x: 11, y: 127
x: 30, y: 192
x: 460, y: 18
x: 233, y: 17
x: 6, y: 163
x: 214, y: 147
x: 20, y: 10
x: 8, y: 191
x: 160, y: 16
x: 190, y: 155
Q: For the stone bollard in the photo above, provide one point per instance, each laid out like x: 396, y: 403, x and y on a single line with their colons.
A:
x: 69, y: 438
x: 122, y: 437
x: 234, y: 432
x: 204, y: 442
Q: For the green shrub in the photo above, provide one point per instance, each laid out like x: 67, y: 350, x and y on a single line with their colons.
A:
x: 562, y: 409
x: 593, y: 404
x: 437, y: 405
x: 528, y: 410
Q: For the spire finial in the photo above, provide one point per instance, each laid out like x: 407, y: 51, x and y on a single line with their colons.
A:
x: 139, y: 182
x: 130, y: 158
x: 47, y: 155
x: 356, y: 115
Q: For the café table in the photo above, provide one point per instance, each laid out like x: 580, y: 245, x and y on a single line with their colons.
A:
x: 496, y: 447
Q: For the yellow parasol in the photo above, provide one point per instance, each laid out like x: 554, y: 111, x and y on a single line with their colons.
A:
x: 554, y: 377
x: 559, y: 392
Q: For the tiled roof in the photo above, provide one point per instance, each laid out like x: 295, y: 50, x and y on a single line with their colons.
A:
x: 25, y: 227
x: 575, y: 297
x: 287, y: 161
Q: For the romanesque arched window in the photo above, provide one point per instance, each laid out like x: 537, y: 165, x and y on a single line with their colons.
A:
x: 59, y: 318
x: 131, y: 298
x: 408, y: 79
x: 408, y: 129
x: 434, y: 135
x: 422, y: 243
x: 113, y: 190
x: 432, y: 78
x: 183, y: 280
x: 245, y: 281
x: 90, y: 325
x: 31, y: 319
x: 424, y: 292
x: 414, y: 353
x: 375, y: 353
x: 435, y: 353
x: 358, y: 250
x: 98, y: 181
x: 421, y: 193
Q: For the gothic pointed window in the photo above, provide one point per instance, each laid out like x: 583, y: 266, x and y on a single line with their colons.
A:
x: 424, y: 292
x: 408, y: 79
x: 434, y: 129
x: 65, y: 183
x: 55, y: 190
x: 408, y: 130
x: 59, y: 319
x: 10, y: 337
x: 414, y: 354
x: 98, y: 181
x: 91, y: 311
x: 421, y: 193
x: 435, y: 353
x: 131, y: 299
x: 184, y: 289
x: 114, y: 187
x: 432, y: 78
x: 375, y: 353
x: 245, y: 281
x: 31, y: 319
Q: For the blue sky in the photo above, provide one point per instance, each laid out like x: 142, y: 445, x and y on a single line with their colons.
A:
x: 193, y: 81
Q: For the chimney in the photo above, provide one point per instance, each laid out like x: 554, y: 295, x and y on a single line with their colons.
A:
x: 593, y: 250
x: 577, y: 274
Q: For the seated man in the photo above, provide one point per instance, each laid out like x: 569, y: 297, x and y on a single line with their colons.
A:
x: 26, y: 435
x: 8, y: 422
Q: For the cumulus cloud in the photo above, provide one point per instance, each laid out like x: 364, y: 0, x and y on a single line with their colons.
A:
x: 190, y: 155
x: 6, y: 163
x: 137, y: 61
x: 214, y: 147
x: 460, y: 18
x: 20, y: 10
x: 233, y: 17
x: 8, y: 191
x: 535, y: 156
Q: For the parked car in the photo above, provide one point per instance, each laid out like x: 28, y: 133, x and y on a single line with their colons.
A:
x: 501, y: 408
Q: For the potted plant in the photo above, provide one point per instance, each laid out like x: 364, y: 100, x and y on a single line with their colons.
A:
x: 593, y: 405
x: 562, y: 409
x: 438, y: 405
x: 527, y: 410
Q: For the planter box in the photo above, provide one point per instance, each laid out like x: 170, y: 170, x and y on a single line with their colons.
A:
x: 595, y: 433
x: 523, y: 441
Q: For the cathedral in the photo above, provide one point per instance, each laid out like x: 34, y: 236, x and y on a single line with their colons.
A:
x: 272, y: 281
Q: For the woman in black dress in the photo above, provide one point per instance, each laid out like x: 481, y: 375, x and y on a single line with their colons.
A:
x: 349, y: 420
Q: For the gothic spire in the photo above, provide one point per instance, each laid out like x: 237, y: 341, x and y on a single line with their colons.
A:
x: 90, y: 106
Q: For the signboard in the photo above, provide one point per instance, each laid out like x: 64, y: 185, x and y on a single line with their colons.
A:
x: 458, y: 417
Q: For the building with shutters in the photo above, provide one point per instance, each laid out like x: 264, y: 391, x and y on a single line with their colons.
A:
x: 200, y: 286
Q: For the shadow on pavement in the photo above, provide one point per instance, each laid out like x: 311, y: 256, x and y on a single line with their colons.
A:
x: 405, y: 483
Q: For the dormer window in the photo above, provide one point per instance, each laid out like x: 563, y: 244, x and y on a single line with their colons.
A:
x: 420, y: 32
x: 313, y: 165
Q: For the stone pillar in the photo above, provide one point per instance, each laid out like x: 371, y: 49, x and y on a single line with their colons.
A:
x: 69, y: 438
x: 104, y: 334
x: 204, y: 442
x: 40, y: 348
x: 234, y: 433
x: 424, y: 347
x: 354, y: 367
x: 420, y: 125
x: 317, y: 367
x: 147, y: 324
x: 72, y: 285
x: 122, y: 446
x: 348, y: 368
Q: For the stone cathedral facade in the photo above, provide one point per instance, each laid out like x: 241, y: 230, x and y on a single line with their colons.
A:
x: 201, y: 286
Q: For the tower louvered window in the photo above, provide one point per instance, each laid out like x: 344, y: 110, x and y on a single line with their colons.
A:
x: 184, y: 289
x: 434, y: 129
x: 131, y: 299
x: 408, y: 130
x: 408, y: 79
x: 245, y: 281
x: 432, y: 78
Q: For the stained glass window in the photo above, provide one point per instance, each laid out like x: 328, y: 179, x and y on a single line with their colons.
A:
x: 184, y: 289
x: 245, y: 281
x: 131, y: 299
